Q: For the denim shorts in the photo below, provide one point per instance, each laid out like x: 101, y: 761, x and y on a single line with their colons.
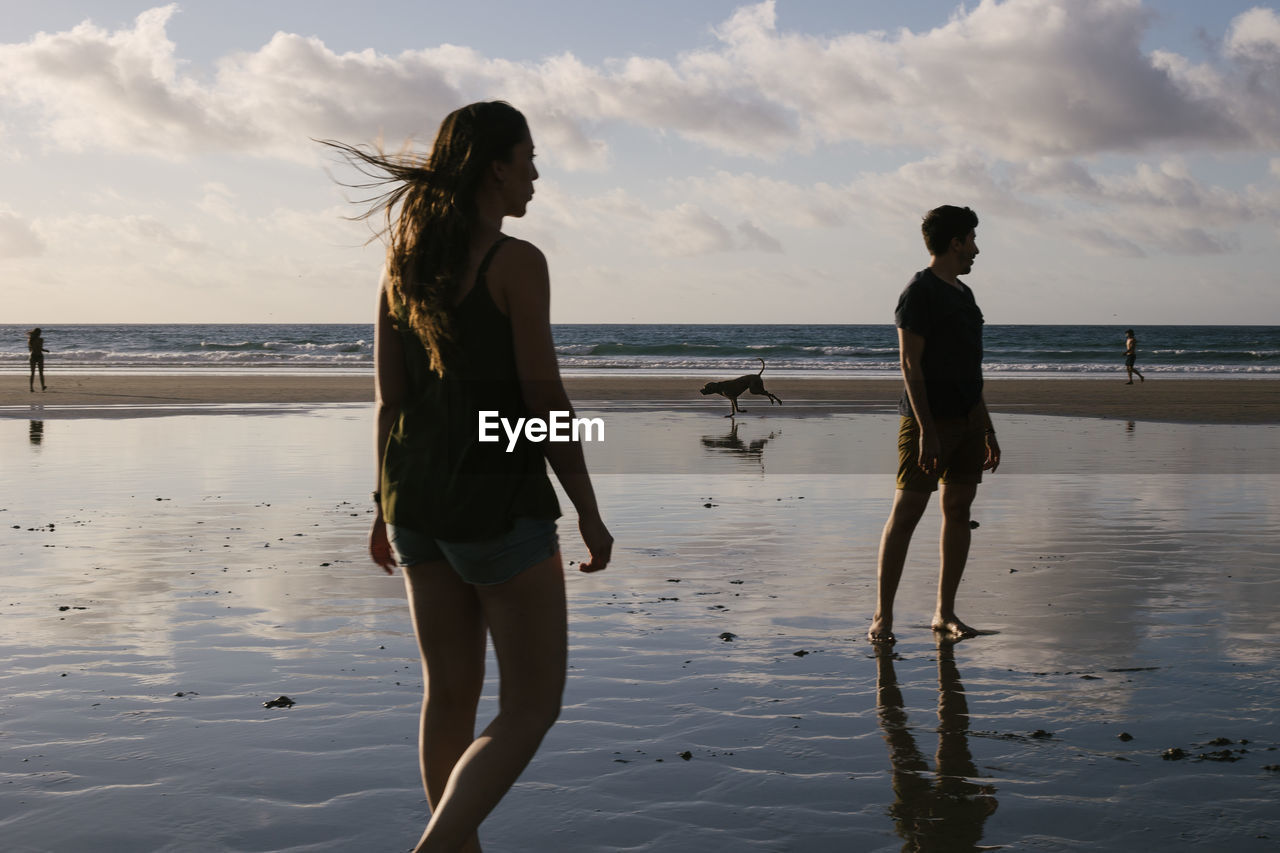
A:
x: 488, y: 561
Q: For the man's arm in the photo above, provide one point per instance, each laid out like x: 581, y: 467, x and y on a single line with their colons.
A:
x: 992, y: 461
x: 911, y: 351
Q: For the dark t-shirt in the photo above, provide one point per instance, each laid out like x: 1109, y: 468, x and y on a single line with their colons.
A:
x: 949, y: 321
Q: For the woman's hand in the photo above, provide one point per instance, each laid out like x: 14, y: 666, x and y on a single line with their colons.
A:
x: 599, y: 543
x: 380, y: 546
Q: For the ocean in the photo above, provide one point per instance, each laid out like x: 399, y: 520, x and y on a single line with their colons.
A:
x: 858, y: 350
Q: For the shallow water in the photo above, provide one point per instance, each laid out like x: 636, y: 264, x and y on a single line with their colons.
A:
x: 1134, y: 588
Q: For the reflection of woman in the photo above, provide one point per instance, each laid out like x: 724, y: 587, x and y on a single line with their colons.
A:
x: 933, y: 816
x: 35, y: 343
x: 463, y: 326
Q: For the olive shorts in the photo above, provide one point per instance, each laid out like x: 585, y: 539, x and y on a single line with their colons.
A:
x: 963, y: 443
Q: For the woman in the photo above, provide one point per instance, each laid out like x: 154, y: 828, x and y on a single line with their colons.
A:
x: 35, y: 344
x: 463, y: 327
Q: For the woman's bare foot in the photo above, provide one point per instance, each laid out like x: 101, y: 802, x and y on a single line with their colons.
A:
x: 952, y: 628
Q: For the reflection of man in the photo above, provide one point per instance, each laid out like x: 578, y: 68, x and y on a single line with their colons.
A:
x: 949, y: 813
x: 945, y: 433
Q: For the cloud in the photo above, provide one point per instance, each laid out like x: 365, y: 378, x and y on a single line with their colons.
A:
x: 17, y: 238
x: 754, y: 238
x: 688, y: 230
x: 1150, y: 207
x: 1017, y: 79
x: 219, y: 201
x: 1255, y: 37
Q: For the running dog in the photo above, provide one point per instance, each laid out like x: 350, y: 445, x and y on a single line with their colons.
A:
x: 733, y: 388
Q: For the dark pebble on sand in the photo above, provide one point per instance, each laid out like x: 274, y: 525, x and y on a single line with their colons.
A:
x: 728, y: 637
x: 279, y: 702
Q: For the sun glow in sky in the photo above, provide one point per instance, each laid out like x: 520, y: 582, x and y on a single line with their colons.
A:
x: 701, y: 162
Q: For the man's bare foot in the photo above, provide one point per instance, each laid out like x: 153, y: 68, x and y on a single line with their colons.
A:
x: 881, y: 631
x: 952, y: 628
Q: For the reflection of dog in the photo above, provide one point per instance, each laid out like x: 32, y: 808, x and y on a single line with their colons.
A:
x: 733, y: 388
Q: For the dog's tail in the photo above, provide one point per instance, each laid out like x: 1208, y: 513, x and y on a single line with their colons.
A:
x: 761, y: 360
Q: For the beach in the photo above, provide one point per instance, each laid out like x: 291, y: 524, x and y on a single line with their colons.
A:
x: 166, y: 575
x: 1186, y: 400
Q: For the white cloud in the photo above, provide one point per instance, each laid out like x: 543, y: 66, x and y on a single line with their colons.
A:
x: 1160, y: 207
x: 688, y: 230
x: 757, y: 239
x: 1020, y: 78
x: 1255, y: 36
x: 17, y: 237
x: 219, y: 202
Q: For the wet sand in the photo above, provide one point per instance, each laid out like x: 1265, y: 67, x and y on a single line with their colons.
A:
x: 166, y: 576
x: 1168, y: 400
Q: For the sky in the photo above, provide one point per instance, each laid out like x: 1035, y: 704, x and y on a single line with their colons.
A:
x: 708, y: 162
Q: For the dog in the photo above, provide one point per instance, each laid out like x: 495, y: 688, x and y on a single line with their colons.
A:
x: 733, y: 388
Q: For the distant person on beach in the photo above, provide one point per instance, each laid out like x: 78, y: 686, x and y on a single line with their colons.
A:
x: 945, y: 432
x: 463, y: 326
x: 35, y: 343
x: 1131, y: 356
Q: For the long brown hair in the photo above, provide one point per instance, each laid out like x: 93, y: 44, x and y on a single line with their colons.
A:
x: 429, y: 206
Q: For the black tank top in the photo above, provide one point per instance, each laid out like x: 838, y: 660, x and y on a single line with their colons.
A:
x: 438, y: 478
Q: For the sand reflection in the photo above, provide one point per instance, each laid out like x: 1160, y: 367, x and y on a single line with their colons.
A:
x: 944, y: 810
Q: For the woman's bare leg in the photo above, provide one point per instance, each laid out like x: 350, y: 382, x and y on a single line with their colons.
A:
x: 527, y: 621
x: 450, y: 627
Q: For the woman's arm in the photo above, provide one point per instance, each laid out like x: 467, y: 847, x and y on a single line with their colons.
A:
x: 389, y: 390
x: 519, y: 277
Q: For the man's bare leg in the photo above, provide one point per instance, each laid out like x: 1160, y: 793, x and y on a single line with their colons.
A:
x: 894, y: 542
x: 954, y: 552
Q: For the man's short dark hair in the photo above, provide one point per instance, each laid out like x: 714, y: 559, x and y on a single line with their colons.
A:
x: 944, y: 224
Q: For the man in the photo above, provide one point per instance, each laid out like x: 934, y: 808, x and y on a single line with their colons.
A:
x: 1131, y: 356
x: 945, y: 432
